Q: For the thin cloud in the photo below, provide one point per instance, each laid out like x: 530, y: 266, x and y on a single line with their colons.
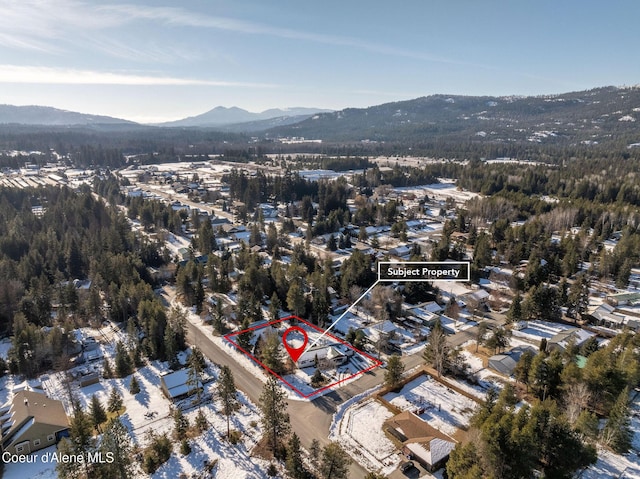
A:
x: 31, y: 23
x: 182, y: 17
x: 64, y: 76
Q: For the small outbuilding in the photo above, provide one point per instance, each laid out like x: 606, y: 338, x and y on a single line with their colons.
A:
x: 176, y: 385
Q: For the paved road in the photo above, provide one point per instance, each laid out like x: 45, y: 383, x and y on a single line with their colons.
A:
x: 309, y: 419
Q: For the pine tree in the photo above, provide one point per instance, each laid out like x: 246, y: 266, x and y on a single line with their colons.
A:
x: 515, y: 310
x: 196, y: 366
x: 245, y: 338
x: 107, y: 371
x: 124, y: 365
x: 272, y: 353
x: 116, y: 440
x: 275, y: 419
x: 181, y: 424
x: 393, y: 373
x: 274, y: 307
x: 294, y: 464
x: 331, y: 243
x: 317, y: 379
x: 115, y: 401
x: 617, y: 433
x: 201, y: 421
x: 335, y: 462
x: 314, y: 454
x: 523, y: 368
x: 228, y: 395
x: 295, y: 298
x: 98, y: 414
x: 464, y: 462
x: 134, y: 387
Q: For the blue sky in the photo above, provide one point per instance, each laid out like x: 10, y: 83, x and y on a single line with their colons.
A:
x: 159, y: 60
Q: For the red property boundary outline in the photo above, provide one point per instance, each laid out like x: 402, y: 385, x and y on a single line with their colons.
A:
x: 376, y: 362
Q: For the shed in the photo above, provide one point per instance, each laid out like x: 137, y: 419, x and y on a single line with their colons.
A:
x: 176, y: 385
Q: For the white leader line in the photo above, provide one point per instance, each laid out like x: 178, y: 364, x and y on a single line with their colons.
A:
x: 341, y: 316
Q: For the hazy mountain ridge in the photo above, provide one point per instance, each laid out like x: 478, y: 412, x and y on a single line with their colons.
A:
x: 222, y: 116
x: 45, y: 115
x: 596, y: 115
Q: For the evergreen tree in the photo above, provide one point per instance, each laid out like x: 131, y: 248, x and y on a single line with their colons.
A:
x: 181, y: 423
x: 335, y: 462
x: 98, y: 414
x: 272, y: 353
x: 274, y: 307
x: 227, y: 393
x: 499, y: 340
x: 134, y: 387
x: 81, y: 432
x: 295, y: 298
x: 115, y: 401
x: 107, y: 371
x: 464, y: 462
x: 201, y: 421
x: 218, y: 318
x: 275, y: 419
x: 294, y: 463
x: 314, y: 454
x: 617, y: 433
x: 185, y: 448
x: 124, y: 365
x: 331, y: 243
x: 116, y: 440
x: 393, y: 373
x: 523, y: 368
x: 317, y: 379
x: 515, y: 310
x: 196, y: 365
x: 245, y: 338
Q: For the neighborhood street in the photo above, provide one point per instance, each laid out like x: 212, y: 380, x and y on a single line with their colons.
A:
x: 312, y: 419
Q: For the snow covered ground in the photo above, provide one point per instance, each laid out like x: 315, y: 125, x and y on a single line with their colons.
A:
x: 359, y: 430
x: 5, y: 345
x: 299, y: 381
x: 625, y: 466
x: 150, y: 410
x: 441, y: 407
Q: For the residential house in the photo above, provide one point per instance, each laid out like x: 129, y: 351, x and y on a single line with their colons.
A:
x: 506, y: 363
x: 420, y: 441
x: 33, y: 421
x: 330, y: 353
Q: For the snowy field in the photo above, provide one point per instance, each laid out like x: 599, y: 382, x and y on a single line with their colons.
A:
x: 441, y: 407
x: 359, y: 430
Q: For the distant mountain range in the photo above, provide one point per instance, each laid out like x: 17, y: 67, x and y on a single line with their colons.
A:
x: 45, y: 115
x: 221, y: 116
x: 602, y: 116
x: 598, y: 116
